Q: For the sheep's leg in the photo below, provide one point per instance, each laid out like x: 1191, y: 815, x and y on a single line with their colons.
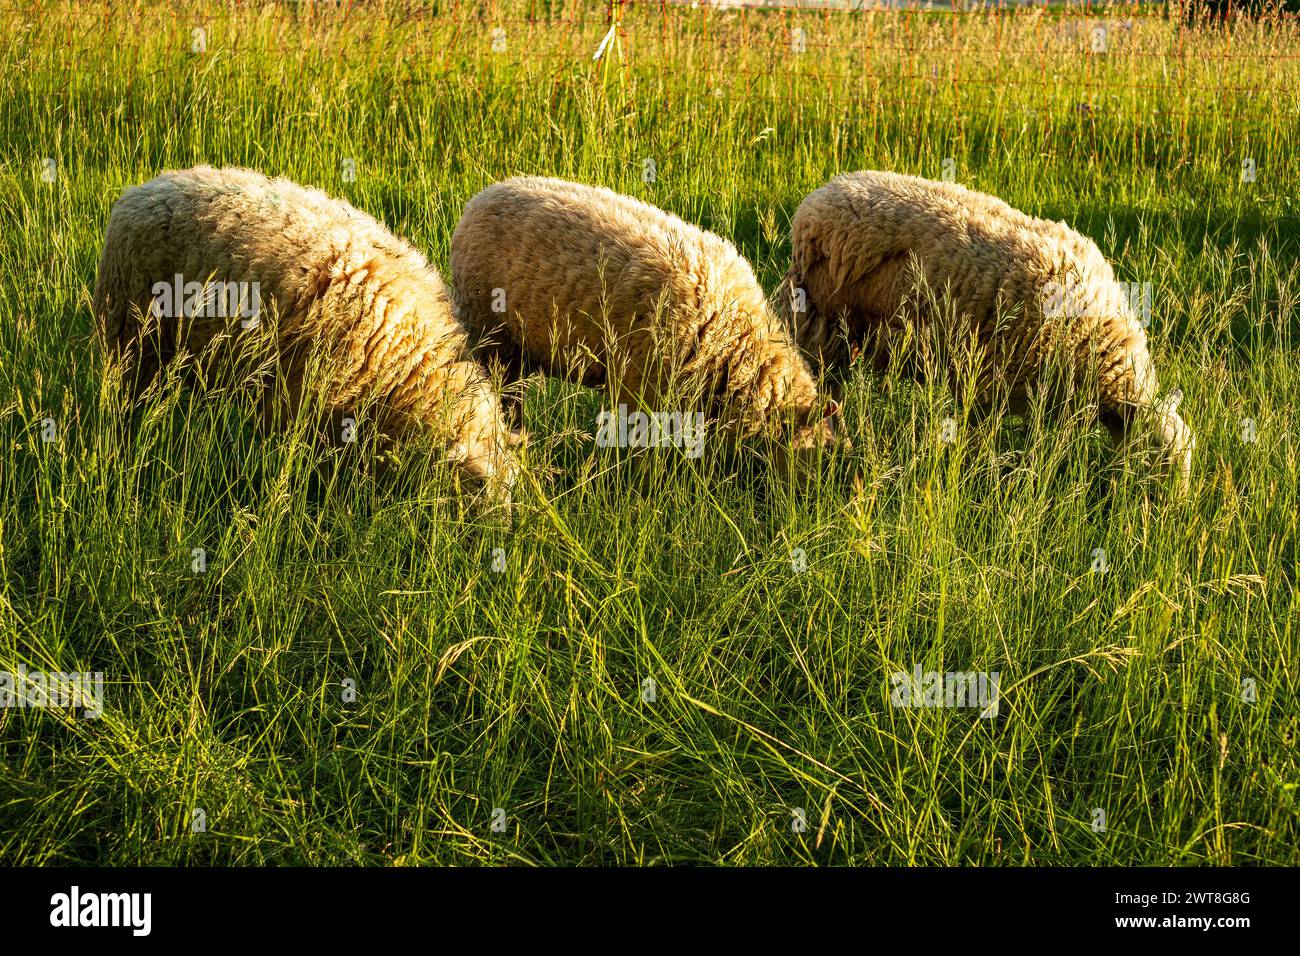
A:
x: 281, y: 396
x: 507, y: 367
x: 1116, y: 426
x: 139, y: 341
x: 138, y: 369
x: 1159, y: 428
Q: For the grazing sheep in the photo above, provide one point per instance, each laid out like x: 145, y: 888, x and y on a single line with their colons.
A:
x: 195, y: 259
x: 1027, y: 294
x: 597, y: 287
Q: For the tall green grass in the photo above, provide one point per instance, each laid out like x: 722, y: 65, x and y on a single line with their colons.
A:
x: 1125, y: 690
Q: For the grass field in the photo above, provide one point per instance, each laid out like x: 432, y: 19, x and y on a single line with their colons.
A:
x: 682, y: 660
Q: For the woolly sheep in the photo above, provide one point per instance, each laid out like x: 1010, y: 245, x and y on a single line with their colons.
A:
x: 332, y: 281
x: 598, y: 287
x: 1032, y: 294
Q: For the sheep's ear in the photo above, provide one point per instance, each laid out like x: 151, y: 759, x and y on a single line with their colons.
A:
x: 831, y: 409
x: 1169, y: 404
x: 517, y: 438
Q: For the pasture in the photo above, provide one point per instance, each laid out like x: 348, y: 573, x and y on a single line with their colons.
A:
x: 313, y: 657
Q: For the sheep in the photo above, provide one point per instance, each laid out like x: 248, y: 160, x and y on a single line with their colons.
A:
x: 194, y: 259
x: 605, y: 290
x: 1030, y: 295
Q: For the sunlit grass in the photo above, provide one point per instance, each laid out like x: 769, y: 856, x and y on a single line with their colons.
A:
x: 1127, y: 691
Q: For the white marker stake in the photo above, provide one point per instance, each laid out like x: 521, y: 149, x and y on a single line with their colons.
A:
x: 600, y: 50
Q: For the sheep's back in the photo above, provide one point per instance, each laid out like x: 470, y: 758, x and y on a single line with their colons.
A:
x: 324, y: 272
x: 234, y: 226
x: 582, y: 255
x: 853, y: 239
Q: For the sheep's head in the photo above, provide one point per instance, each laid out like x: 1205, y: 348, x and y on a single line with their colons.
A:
x: 816, y: 428
x: 488, y: 458
x: 1157, y: 430
x: 1174, y: 438
x: 804, y: 433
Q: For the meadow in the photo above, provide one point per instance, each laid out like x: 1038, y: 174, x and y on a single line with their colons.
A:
x: 309, y: 658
